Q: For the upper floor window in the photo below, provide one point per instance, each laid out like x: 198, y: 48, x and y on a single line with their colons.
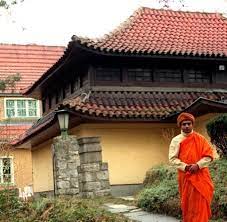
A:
x: 6, y: 170
x: 108, y: 74
x: 140, y: 75
x: 198, y: 76
x: 19, y: 108
x: 169, y: 75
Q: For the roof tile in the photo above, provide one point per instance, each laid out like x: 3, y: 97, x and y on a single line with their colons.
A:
x: 138, y: 104
x: 30, y: 61
x: 12, y: 131
x: 168, y: 32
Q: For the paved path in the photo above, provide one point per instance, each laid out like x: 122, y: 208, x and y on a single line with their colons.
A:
x: 137, y: 214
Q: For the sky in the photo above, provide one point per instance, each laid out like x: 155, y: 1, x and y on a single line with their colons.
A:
x: 53, y: 22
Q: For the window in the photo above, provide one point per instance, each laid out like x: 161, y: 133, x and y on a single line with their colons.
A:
x: 19, y: 108
x: 169, y: 75
x: 6, y: 170
x: 198, y: 76
x: 140, y: 75
x: 108, y: 74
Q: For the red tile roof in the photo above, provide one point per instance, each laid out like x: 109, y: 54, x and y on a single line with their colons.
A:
x: 12, y: 131
x: 129, y: 106
x: 40, y: 125
x: 156, y: 32
x: 160, y: 31
x: 154, y: 105
x: 30, y: 61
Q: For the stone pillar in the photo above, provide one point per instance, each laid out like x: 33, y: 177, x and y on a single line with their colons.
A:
x: 93, y: 173
x: 65, y: 163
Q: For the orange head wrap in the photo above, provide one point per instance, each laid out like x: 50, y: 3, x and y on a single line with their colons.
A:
x: 185, y: 116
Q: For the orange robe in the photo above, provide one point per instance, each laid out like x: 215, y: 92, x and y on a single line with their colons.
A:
x: 196, y: 190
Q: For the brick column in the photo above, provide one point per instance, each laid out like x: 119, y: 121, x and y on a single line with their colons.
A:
x: 93, y: 173
x: 65, y: 163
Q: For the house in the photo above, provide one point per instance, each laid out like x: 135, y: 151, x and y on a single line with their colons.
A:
x: 128, y: 88
x: 18, y: 113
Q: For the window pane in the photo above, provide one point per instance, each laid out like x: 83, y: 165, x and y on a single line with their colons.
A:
x: 10, y: 108
x: 32, y: 108
x: 10, y: 113
x: 21, y: 108
x: 108, y: 74
x: 21, y: 104
x: 140, y: 74
x: 10, y: 104
x: 6, y: 165
x: 199, y: 76
x: 32, y: 112
x: 169, y: 75
x: 21, y: 112
x: 31, y: 104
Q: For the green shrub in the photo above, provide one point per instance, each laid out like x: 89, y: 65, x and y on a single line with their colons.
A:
x: 160, y: 194
x: 217, y: 131
x: 219, y: 176
x: 9, y: 202
x: 158, y: 174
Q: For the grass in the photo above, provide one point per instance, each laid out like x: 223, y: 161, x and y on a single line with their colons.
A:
x: 63, y: 209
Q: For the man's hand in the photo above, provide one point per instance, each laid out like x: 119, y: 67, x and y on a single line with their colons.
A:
x: 194, y: 168
x: 187, y: 168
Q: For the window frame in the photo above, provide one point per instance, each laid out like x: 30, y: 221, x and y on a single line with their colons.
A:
x: 12, y: 182
x: 104, y: 69
x: 26, y: 107
x: 136, y: 71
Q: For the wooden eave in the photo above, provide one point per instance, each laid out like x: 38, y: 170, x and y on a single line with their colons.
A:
x: 200, y: 107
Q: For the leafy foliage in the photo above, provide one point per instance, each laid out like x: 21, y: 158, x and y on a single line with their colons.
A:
x: 9, y: 203
x: 217, y: 130
x: 8, y: 3
x: 10, y: 81
x: 161, y: 191
x: 219, y: 176
x: 160, y: 194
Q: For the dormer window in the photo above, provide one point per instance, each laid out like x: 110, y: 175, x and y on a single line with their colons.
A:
x: 20, y: 108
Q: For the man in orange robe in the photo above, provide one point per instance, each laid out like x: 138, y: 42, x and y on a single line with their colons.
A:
x: 191, y: 153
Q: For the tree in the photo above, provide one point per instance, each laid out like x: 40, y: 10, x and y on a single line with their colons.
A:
x: 6, y: 4
x: 9, y: 82
x: 217, y: 130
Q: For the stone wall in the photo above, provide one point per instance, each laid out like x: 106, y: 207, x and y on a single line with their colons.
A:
x: 78, y: 167
x: 65, y: 163
x: 93, y: 173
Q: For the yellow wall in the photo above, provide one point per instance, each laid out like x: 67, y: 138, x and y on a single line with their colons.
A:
x: 129, y: 149
x: 22, y: 166
x: 42, y: 167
